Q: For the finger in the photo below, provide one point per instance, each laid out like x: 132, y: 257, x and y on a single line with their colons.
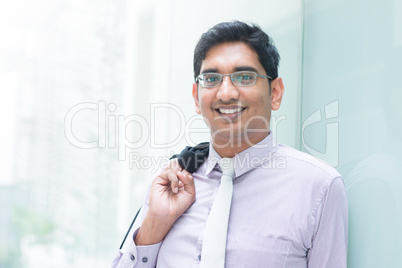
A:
x: 174, y: 181
x: 174, y: 165
x: 181, y: 185
x: 163, y: 177
x: 187, y: 180
x: 186, y: 172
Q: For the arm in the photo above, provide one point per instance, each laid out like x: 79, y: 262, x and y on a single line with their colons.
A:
x: 330, y: 238
x: 171, y: 193
x: 136, y: 256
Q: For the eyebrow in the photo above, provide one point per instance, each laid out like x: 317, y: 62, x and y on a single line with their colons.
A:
x: 246, y: 68
x: 236, y: 69
x: 209, y: 71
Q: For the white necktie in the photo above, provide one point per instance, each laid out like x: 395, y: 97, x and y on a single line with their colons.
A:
x: 214, y: 243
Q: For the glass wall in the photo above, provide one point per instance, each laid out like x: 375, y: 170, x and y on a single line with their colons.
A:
x: 352, y: 116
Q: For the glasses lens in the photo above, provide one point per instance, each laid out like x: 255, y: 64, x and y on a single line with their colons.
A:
x: 244, y: 78
x: 210, y: 79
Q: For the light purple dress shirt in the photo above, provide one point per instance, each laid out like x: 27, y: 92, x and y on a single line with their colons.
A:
x: 289, y: 209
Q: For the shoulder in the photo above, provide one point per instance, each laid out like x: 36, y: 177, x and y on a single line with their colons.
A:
x: 306, y: 165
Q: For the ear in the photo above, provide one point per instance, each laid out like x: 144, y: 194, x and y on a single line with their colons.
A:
x: 277, y: 91
x: 195, y: 97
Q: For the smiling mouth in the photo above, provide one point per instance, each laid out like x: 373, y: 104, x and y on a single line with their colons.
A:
x: 230, y: 110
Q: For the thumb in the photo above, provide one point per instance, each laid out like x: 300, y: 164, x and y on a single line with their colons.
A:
x: 187, y: 179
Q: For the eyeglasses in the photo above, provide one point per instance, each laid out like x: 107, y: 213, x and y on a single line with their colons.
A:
x: 242, y: 79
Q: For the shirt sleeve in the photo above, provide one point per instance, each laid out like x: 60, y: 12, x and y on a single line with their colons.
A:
x: 330, y: 237
x: 137, y: 256
x: 131, y: 255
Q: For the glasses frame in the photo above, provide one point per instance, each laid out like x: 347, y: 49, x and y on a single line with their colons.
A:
x: 231, y: 78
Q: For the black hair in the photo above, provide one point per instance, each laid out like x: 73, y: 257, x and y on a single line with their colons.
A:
x: 237, y: 31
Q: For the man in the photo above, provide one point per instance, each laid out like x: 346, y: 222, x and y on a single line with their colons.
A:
x: 286, y: 208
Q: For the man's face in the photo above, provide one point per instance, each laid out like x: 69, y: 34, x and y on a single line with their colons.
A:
x: 236, y: 113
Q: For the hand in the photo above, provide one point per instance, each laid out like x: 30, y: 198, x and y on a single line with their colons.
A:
x: 171, y: 194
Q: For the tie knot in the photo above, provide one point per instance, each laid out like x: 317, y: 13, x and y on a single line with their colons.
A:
x: 227, y: 166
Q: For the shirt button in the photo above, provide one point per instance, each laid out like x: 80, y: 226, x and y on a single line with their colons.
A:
x: 145, y: 259
x: 199, y: 257
x: 132, y: 257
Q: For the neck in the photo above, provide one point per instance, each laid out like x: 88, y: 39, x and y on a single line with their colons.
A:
x: 229, y: 147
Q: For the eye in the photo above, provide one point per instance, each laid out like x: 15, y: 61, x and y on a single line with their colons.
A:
x: 244, y: 77
x: 211, y: 78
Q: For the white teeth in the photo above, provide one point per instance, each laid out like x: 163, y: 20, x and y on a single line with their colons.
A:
x: 229, y: 111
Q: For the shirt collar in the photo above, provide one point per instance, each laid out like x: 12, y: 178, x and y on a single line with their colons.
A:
x: 246, y: 160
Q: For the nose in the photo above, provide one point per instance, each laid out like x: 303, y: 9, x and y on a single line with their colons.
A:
x: 227, y: 90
